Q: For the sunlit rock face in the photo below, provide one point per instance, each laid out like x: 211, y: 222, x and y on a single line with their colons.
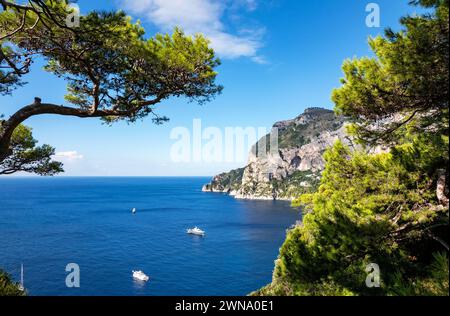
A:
x: 294, y: 167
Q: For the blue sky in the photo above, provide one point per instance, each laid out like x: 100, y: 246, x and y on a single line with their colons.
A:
x: 278, y: 58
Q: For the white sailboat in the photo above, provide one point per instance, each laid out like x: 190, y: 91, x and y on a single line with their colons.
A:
x: 20, y: 286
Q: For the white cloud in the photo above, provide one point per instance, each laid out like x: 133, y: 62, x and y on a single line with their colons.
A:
x: 201, y: 16
x: 251, y: 5
x: 69, y: 155
x: 260, y: 60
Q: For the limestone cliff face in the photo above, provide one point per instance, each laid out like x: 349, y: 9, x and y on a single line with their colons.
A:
x: 294, y: 168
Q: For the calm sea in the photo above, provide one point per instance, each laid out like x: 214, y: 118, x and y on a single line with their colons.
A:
x: 47, y: 223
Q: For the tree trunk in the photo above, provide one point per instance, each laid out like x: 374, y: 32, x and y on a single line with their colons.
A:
x: 38, y: 108
x: 8, y: 126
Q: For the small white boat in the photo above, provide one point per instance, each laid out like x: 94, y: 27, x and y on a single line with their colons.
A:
x: 196, y: 231
x: 133, y: 210
x: 141, y: 276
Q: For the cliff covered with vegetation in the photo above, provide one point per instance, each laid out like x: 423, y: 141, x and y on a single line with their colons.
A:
x: 294, y: 168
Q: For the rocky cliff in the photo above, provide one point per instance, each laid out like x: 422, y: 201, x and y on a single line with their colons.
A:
x: 293, y: 168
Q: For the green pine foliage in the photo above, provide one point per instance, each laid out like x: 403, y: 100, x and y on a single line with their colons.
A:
x: 113, y: 69
x: 8, y: 287
x: 26, y: 156
x: 368, y: 209
x: 388, y: 207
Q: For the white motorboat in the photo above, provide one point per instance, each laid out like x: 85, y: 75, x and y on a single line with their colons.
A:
x: 196, y: 231
x: 141, y: 276
x: 133, y: 210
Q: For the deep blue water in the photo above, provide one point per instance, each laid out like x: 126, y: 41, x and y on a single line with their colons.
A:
x: 46, y: 223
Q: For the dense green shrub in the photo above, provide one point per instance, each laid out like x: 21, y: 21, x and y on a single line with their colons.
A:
x: 8, y: 287
x: 390, y: 208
